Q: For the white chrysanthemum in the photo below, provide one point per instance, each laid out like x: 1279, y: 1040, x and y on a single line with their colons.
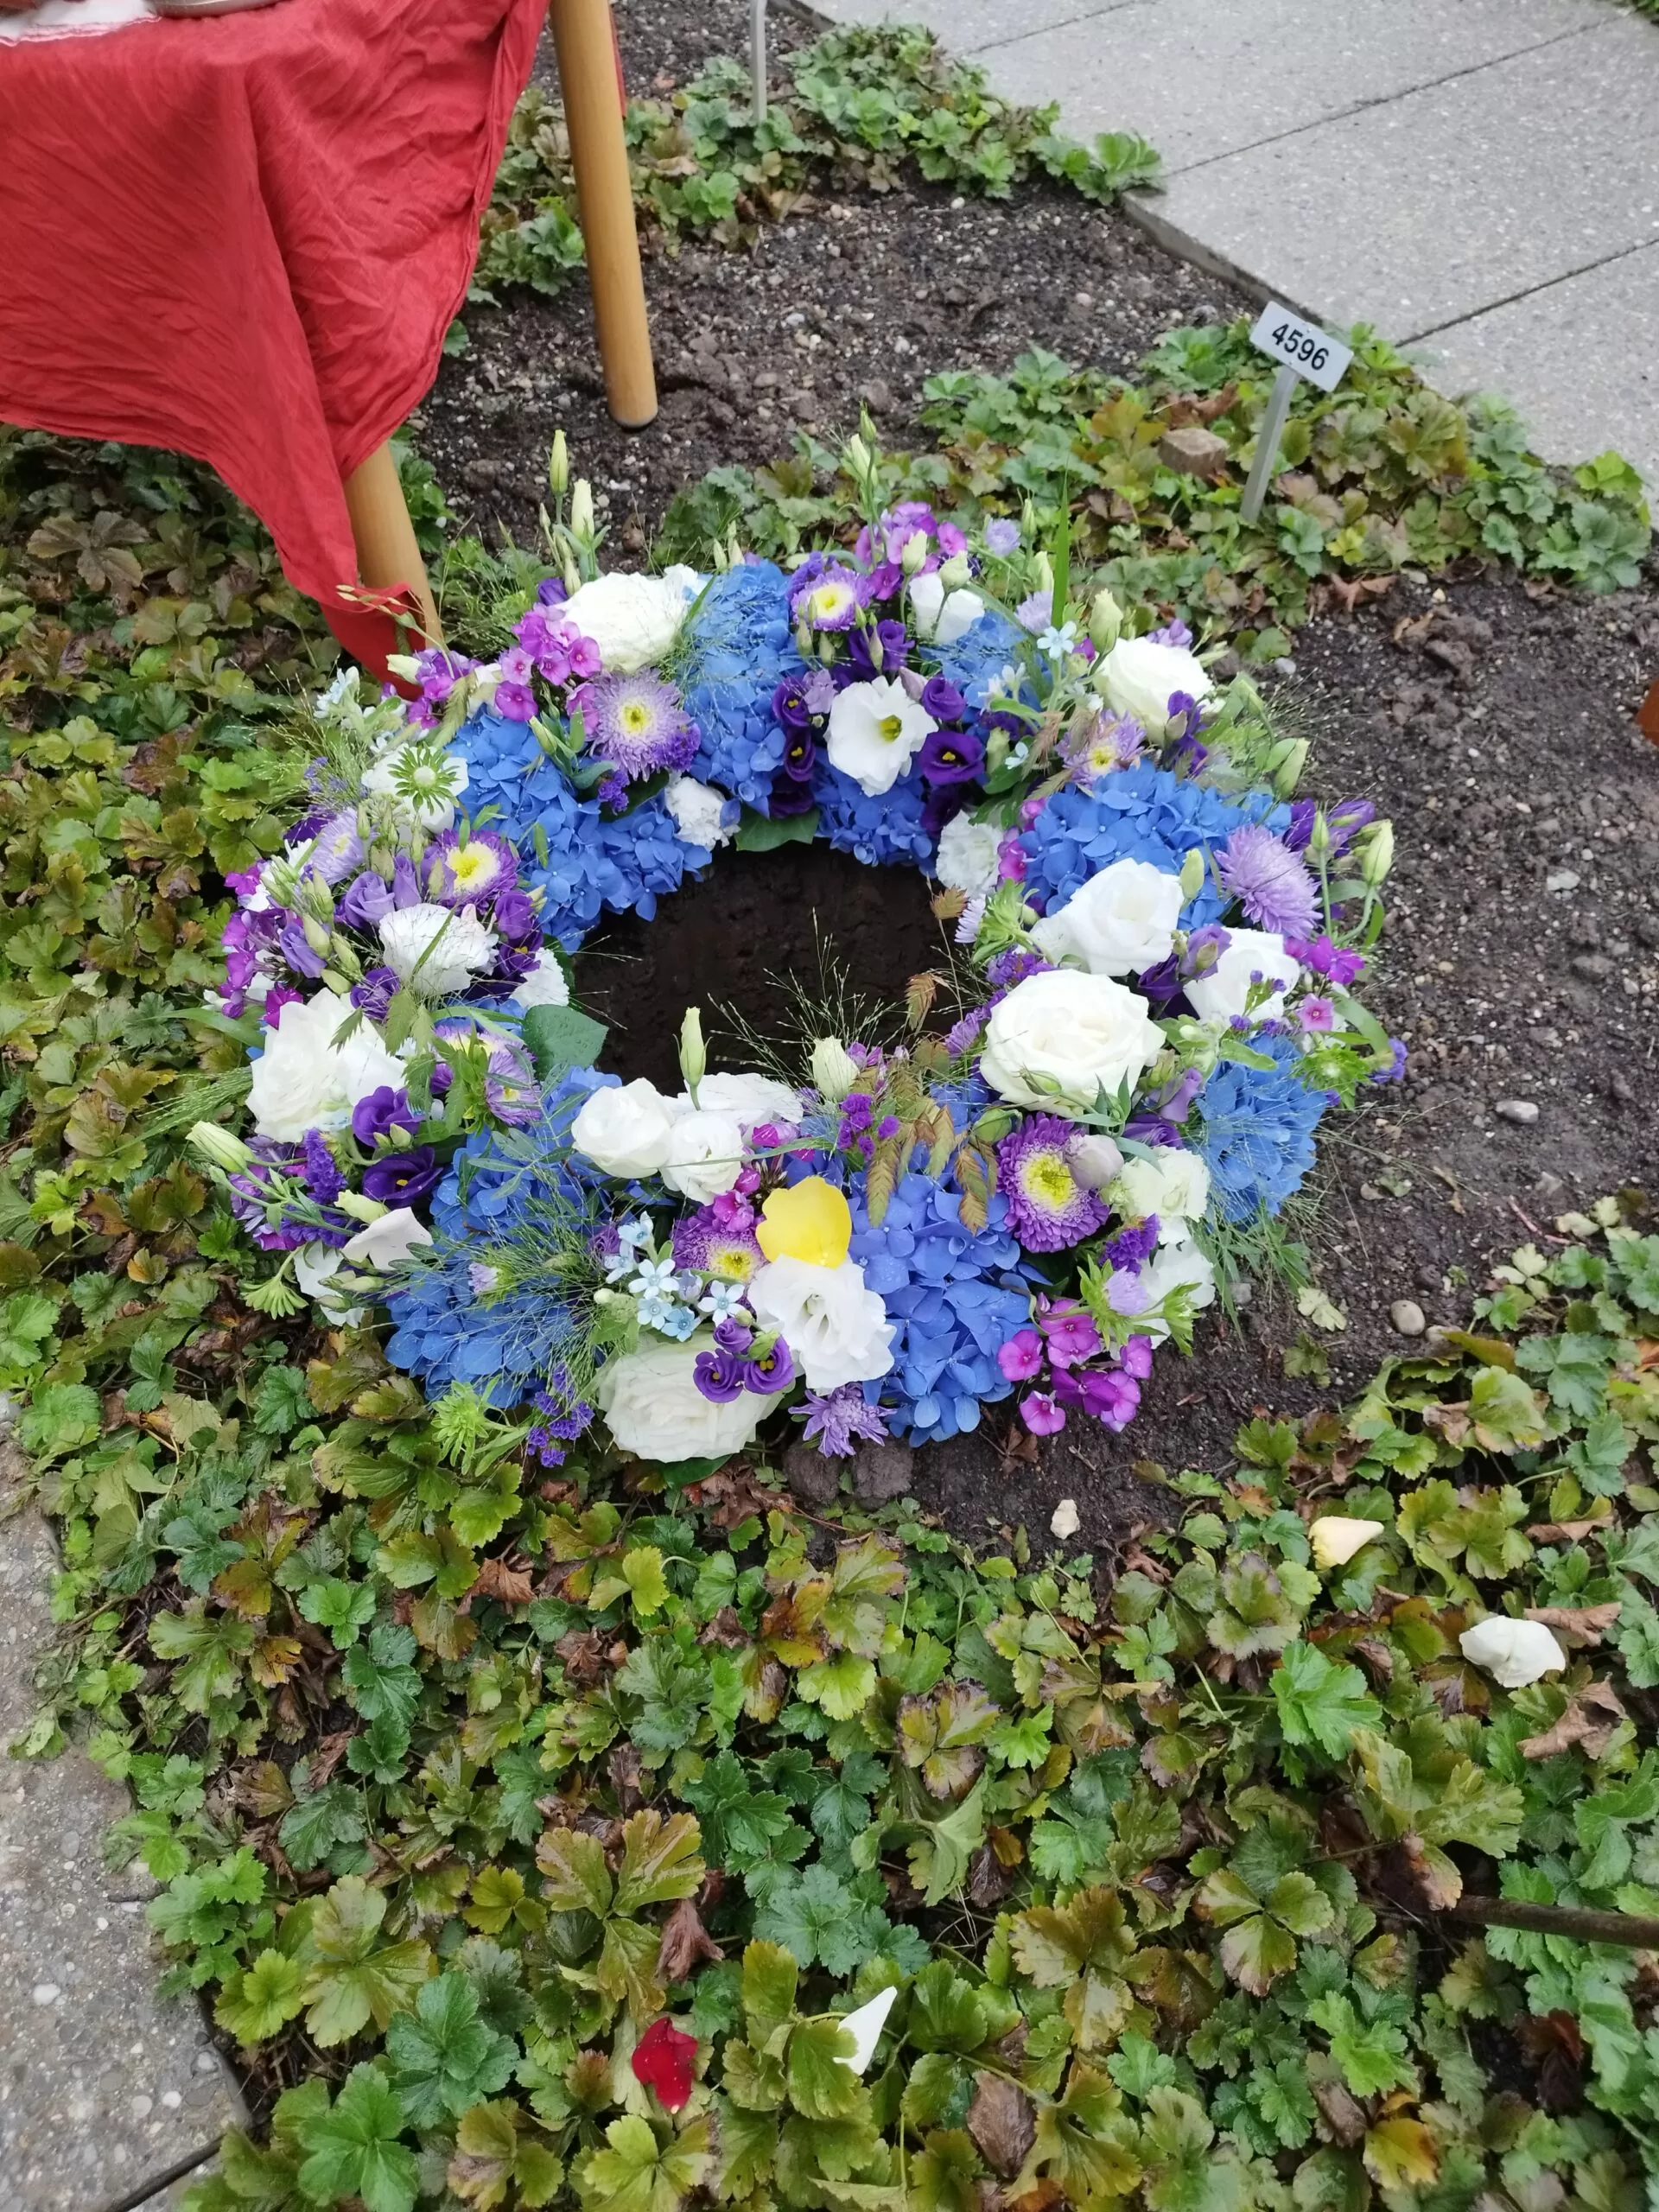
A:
x: 967, y: 859
x: 702, y: 815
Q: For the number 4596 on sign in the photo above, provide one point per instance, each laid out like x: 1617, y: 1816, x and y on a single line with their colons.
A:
x: 1312, y: 352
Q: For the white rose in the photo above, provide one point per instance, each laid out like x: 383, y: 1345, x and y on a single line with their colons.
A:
x: 747, y: 1098
x: 624, y: 1129
x: 942, y: 617
x: 1175, y: 1267
x: 632, y: 620
x: 1139, y: 678
x: 545, y: 985
x: 382, y: 1243
x: 438, y: 785
x: 1085, y: 1034
x: 967, y: 857
x: 302, y: 1080
x: 1514, y: 1653
x: 704, y: 1155
x: 1173, y: 1184
x: 652, y: 1406
x: 700, y: 812
x: 838, y: 1331
x: 1221, y: 993
x: 435, y: 950
x: 876, y: 729
x: 1120, y: 922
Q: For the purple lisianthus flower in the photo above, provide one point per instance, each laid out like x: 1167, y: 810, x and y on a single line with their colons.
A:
x: 513, y: 917
x: 789, y: 796
x: 637, y: 724
x: 380, y: 1113
x: 1001, y: 536
x: 399, y: 1178
x: 366, y: 899
x: 299, y: 955
x: 836, y: 1417
x: 772, y: 1372
x: 941, y: 699
x: 800, y: 754
x: 721, y: 1376
x: 1269, y: 881
x: 890, y: 638
x: 1048, y: 1209
x: 949, y: 756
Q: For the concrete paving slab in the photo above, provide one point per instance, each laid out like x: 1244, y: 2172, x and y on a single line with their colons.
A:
x: 1581, y: 360
x: 1443, y: 203
x: 1204, y: 78
x: 966, y: 26
x: 104, y: 2091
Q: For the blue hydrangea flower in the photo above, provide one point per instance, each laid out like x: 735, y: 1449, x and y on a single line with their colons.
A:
x: 956, y: 1296
x: 736, y: 648
x: 1142, y: 813
x: 1257, y: 1133
x: 876, y: 830
x: 594, y: 862
x: 978, y: 655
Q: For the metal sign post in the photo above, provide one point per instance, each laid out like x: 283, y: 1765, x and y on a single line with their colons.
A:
x: 758, y: 57
x: 1304, y: 351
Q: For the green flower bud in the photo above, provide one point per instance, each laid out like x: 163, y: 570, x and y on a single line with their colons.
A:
x: 1377, y: 857
x: 833, y: 1070
x: 1105, y: 622
x: 956, y: 573
x: 1192, y: 869
x: 558, y: 465
x: 1285, y: 766
x: 581, y: 512
x: 219, y: 1147
x: 915, y: 553
x: 694, y: 1053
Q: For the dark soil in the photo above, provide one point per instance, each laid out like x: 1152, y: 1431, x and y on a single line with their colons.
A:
x: 1491, y: 718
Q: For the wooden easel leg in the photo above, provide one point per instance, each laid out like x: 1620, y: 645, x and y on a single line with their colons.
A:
x: 586, y: 46
x: 387, y: 552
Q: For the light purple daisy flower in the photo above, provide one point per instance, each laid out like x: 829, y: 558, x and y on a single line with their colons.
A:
x: 468, y: 874
x: 1001, y: 536
x: 704, y: 1243
x: 831, y: 601
x: 838, y: 1417
x: 1048, y: 1208
x: 637, y: 724
x: 1269, y: 881
x: 1035, y: 612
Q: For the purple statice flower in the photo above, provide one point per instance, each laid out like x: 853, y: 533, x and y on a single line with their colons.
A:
x: 1132, y: 1247
x: 614, y: 791
x: 1327, y: 959
x: 374, y: 994
x: 857, y: 1112
x: 1048, y: 1209
x: 706, y: 1245
x: 637, y: 724
x: 1269, y: 881
x: 1014, y: 966
x: 1174, y: 632
x: 964, y: 1035
x: 1035, y: 612
x: 320, y: 1174
x: 838, y: 1418
x: 1001, y: 536
x: 459, y: 875
x: 949, y: 756
x: 400, y: 1179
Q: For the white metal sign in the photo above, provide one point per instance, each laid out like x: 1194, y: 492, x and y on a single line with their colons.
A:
x: 1312, y: 352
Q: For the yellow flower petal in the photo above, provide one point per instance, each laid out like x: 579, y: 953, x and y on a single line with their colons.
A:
x: 810, y: 1221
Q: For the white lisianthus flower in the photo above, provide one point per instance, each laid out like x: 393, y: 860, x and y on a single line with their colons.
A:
x: 700, y: 812
x: 1082, y: 1033
x: 967, y: 859
x: 382, y: 1243
x: 316, y: 1268
x: 302, y: 1080
x: 747, y: 1098
x: 836, y: 1328
x: 546, y: 984
x: 876, y: 729
x: 1174, y: 1266
x: 942, y: 616
x: 1173, y: 1184
x: 632, y: 620
x: 437, y: 784
x: 704, y: 1155
x: 1121, y: 921
x: 864, y: 2025
x: 1094, y: 1159
x: 1139, y: 678
x: 652, y: 1406
x: 624, y: 1129
x: 1221, y: 993
x: 1334, y: 1538
x: 435, y: 951
x: 1514, y: 1653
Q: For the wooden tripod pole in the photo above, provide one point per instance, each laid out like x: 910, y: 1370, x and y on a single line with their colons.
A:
x: 387, y: 552
x: 586, y: 46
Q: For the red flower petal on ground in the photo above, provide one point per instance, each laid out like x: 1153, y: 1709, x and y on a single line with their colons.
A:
x: 662, y: 2059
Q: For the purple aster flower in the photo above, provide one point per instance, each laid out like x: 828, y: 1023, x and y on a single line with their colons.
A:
x: 336, y: 848
x: 1269, y: 881
x: 951, y: 757
x: 1048, y: 1208
x: 836, y: 1418
x: 637, y: 723
x: 704, y: 1245
x: 1001, y: 536
x: 1035, y: 612
x: 321, y: 1176
x: 459, y: 875
x: 399, y: 1178
x: 827, y: 600
x: 374, y: 994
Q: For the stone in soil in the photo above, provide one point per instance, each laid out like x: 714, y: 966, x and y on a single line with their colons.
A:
x: 105, y: 2092
x: 1407, y: 1316
x: 1524, y: 1112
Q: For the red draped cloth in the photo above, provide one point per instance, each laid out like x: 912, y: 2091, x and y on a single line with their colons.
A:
x: 242, y: 237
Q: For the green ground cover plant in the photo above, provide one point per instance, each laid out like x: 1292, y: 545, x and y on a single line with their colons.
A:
x: 864, y: 105
x: 1381, y: 474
